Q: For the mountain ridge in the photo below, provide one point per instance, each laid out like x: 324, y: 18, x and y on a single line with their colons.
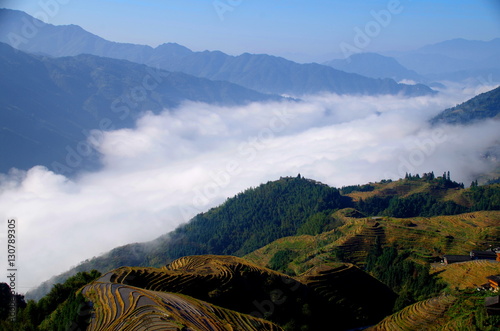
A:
x: 292, y: 78
x: 50, y: 103
x: 482, y: 107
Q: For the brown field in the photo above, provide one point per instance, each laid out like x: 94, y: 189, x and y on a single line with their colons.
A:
x: 423, y: 315
x: 469, y: 274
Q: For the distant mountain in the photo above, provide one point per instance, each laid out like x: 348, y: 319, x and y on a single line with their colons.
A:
x: 277, y: 75
x: 475, y: 50
x: 452, y: 56
x: 263, y: 73
x: 375, y: 66
x: 470, y: 77
x: 484, y: 106
x: 49, y: 105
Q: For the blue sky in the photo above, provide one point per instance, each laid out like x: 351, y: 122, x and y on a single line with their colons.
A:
x: 312, y: 28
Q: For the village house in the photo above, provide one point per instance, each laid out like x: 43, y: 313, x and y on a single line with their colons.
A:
x: 473, y: 255
x: 483, y: 255
x: 493, y: 282
x: 447, y: 259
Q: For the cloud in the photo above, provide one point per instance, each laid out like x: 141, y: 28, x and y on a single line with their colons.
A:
x: 183, y: 161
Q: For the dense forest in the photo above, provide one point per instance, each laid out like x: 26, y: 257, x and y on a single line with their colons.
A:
x: 45, y: 314
x: 427, y: 204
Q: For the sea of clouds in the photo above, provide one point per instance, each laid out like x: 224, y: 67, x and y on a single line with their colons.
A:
x: 173, y: 165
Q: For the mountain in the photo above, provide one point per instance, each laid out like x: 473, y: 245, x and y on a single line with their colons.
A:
x: 475, y: 50
x: 445, y: 59
x: 320, y: 273
x: 375, y: 66
x: 481, y: 107
x: 277, y: 75
x: 326, y: 263
x: 298, y: 206
x: 50, y: 105
x: 263, y: 73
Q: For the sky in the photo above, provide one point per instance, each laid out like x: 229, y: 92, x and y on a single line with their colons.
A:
x: 173, y: 165
x: 296, y: 29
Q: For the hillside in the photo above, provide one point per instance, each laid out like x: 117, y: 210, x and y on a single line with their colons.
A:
x: 298, y: 206
x: 460, y: 311
x: 224, y: 293
x: 426, y: 238
x: 423, y: 315
x: 121, y: 307
x: 49, y: 105
x: 263, y: 73
x: 306, y: 242
x: 481, y: 107
x: 467, y: 275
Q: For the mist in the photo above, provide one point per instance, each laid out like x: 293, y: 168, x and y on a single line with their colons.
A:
x: 173, y: 165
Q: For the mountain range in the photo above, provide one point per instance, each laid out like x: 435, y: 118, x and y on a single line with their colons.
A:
x: 455, y: 60
x: 458, y: 60
x: 263, y: 73
x: 50, y: 105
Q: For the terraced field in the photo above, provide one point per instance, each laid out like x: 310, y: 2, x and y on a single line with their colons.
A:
x: 347, y: 286
x: 228, y: 293
x: 427, y: 238
x: 356, y: 248
x: 470, y: 274
x: 121, y: 307
x: 401, y: 188
x: 218, y: 279
x: 423, y: 315
x: 435, y: 236
x: 404, y: 188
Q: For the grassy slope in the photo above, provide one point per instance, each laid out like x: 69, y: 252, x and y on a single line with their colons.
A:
x: 467, y: 275
x: 404, y: 188
x: 426, y: 237
x: 461, y: 311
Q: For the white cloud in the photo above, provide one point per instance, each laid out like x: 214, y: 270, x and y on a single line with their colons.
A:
x: 181, y: 162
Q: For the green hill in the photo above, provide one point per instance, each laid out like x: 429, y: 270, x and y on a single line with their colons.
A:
x: 289, y: 207
x: 484, y: 106
x: 318, y: 246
